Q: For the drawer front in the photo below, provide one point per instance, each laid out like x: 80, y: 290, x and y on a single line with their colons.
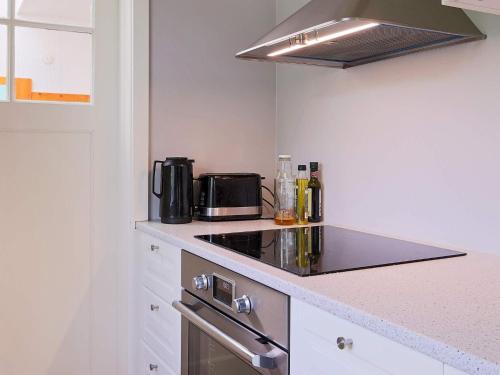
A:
x: 314, y: 335
x: 452, y: 371
x: 151, y: 364
x: 161, y: 268
x: 162, y: 329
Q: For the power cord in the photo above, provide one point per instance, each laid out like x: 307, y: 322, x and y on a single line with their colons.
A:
x: 272, y: 194
x: 269, y: 203
x: 269, y: 190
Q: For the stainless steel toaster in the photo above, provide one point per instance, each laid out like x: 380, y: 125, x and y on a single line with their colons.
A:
x: 230, y: 196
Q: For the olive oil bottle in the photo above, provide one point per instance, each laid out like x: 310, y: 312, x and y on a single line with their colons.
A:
x: 314, y: 197
x: 301, y: 244
x: 301, y: 195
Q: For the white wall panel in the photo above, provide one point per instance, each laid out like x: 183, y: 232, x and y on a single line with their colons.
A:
x: 409, y: 146
x: 205, y: 104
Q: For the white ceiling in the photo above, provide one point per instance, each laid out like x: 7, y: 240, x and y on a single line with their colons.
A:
x: 71, y: 12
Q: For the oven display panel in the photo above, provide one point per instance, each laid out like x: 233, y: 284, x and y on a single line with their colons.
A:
x: 223, y: 290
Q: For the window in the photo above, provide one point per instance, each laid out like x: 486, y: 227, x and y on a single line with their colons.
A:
x: 3, y: 8
x: 47, y: 46
x: 3, y: 62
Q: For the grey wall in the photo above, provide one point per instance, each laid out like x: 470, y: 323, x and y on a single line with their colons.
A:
x: 409, y: 147
x: 205, y: 104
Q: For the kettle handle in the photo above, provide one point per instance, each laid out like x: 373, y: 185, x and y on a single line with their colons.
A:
x: 154, y: 180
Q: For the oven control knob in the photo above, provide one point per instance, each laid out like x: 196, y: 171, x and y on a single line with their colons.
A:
x: 200, y: 282
x: 242, y: 305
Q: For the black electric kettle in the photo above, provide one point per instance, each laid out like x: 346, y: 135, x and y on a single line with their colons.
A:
x: 176, y: 190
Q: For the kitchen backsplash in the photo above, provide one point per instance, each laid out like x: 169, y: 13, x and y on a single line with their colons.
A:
x: 205, y: 104
x: 409, y: 147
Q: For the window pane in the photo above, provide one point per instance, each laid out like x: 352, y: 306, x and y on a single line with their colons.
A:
x: 67, y: 12
x: 3, y: 62
x: 3, y: 8
x: 53, y: 65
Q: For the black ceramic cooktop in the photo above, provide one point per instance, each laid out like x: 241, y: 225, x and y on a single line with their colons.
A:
x: 309, y: 251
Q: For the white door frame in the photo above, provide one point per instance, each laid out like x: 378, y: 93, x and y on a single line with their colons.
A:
x: 134, y: 168
x: 134, y: 90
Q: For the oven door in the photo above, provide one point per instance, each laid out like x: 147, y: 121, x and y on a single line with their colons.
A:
x: 214, y: 344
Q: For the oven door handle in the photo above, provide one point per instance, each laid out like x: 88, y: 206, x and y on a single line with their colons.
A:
x: 266, y: 361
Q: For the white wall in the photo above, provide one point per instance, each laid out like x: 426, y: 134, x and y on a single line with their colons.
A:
x: 409, y: 147
x: 205, y: 104
x: 57, y: 61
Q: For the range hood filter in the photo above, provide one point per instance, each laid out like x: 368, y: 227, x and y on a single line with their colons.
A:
x: 347, y: 33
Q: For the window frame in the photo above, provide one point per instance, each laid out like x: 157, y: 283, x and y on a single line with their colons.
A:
x: 11, y: 22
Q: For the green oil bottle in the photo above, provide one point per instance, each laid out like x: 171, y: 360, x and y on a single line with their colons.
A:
x: 301, y: 196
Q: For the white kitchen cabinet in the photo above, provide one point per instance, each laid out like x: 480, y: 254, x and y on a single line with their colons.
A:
x: 161, y: 268
x: 314, y: 349
x: 152, y: 364
x: 487, y: 6
x: 160, y: 332
x: 452, y: 371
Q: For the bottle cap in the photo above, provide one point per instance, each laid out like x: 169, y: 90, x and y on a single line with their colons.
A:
x: 302, y: 168
x: 314, y: 166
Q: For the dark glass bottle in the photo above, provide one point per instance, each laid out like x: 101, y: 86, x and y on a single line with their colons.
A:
x: 315, y: 198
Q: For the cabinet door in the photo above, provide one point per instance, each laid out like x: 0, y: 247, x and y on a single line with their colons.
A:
x: 452, y: 371
x: 486, y: 6
x: 314, y: 348
x: 161, y: 268
x: 60, y: 268
x: 160, y: 324
x: 162, y: 329
x: 152, y: 364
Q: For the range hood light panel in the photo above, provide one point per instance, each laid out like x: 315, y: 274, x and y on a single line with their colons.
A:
x: 323, y: 39
x: 347, y: 33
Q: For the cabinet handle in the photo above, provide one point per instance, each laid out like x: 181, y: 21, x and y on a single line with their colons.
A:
x: 155, y: 247
x: 155, y: 307
x: 153, y: 367
x: 342, y: 343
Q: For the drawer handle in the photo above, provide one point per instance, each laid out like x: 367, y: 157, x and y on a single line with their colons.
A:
x: 155, y: 247
x: 342, y: 343
x: 153, y: 367
x: 155, y: 307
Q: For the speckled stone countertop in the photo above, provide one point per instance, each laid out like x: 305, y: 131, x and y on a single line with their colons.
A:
x: 447, y: 309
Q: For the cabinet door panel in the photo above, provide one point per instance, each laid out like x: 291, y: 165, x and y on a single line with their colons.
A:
x: 452, y: 371
x: 314, y: 334
x: 45, y: 253
x: 487, y: 6
x: 160, y: 323
x: 162, y: 265
x: 162, y: 329
x: 151, y: 364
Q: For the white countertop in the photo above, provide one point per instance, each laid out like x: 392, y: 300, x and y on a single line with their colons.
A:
x: 448, y: 309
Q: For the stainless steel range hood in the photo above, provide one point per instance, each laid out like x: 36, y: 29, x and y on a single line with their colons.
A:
x: 346, y: 33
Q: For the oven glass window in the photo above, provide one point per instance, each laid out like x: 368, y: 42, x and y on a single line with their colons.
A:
x: 208, y: 357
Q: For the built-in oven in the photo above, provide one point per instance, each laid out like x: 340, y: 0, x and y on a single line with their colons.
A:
x: 231, y: 324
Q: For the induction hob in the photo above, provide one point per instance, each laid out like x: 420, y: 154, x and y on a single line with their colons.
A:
x: 308, y: 251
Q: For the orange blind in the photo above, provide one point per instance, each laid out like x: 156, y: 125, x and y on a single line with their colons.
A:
x: 54, y: 97
x: 23, y: 88
x: 24, y: 91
